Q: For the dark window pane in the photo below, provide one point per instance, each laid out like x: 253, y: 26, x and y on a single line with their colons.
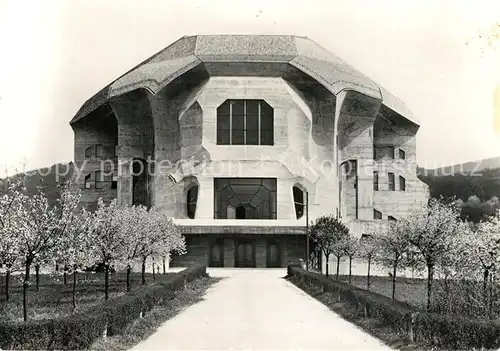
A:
x: 402, y: 183
x: 223, y: 137
x: 265, y: 109
x: 266, y: 122
x: 402, y: 154
x: 298, y: 195
x: 390, y: 152
x: 88, y: 151
x: 252, y: 137
x: 224, y: 108
x: 252, y: 122
x: 223, y: 122
x: 391, y: 181
x: 267, y: 137
x: 377, y: 214
x: 98, y: 150
x: 238, y: 137
x: 192, y: 194
x: 238, y: 107
x: 238, y: 122
x: 252, y: 107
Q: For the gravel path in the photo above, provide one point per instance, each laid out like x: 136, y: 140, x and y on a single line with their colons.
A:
x: 255, y: 309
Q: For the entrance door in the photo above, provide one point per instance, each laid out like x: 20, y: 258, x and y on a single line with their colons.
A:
x: 216, y: 258
x: 273, y: 254
x: 245, y: 254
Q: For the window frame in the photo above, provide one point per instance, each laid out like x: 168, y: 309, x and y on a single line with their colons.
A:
x: 298, y: 203
x: 391, y: 181
x: 89, y: 151
x: 191, y: 205
x: 401, y: 152
x: 402, y: 183
x: 99, y: 181
x: 99, y: 150
x: 391, y: 152
x: 87, y: 183
x: 375, y: 181
x: 222, y: 138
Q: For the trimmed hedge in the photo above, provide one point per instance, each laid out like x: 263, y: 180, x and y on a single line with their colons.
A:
x: 80, y: 330
x: 447, y: 331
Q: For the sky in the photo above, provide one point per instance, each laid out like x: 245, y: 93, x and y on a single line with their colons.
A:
x: 442, y: 58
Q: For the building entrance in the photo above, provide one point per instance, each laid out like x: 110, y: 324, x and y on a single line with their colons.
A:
x: 244, y: 254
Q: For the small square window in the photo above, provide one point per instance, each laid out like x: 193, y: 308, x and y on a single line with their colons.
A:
x: 402, y: 154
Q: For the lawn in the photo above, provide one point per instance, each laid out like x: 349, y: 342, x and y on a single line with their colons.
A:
x: 55, y: 299
x: 410, y: 290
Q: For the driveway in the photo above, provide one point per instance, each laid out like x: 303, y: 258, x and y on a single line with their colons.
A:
x: 255, y: 309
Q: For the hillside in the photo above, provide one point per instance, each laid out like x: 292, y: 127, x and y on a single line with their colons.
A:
x: 47, y: 178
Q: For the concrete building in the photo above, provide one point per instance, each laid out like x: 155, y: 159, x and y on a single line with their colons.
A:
x: 236, y: 132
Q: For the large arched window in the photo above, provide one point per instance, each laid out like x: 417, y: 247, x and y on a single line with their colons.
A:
x: 298, y: 201
x: 192, y: 198
x: 245, y: 122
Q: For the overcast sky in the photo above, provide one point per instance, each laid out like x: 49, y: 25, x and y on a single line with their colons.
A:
x: 442, y: 58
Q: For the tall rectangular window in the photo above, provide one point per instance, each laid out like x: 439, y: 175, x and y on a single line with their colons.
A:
x: 390, y: 152
x: 375, y: 180
x: 245, y: 122
x: 98, y: 150
x: 402, y: 183
x: 391, y: 181
x: 99, y: 180
x: 402, y: 154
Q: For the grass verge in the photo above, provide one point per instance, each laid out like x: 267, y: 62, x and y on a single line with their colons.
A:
x: 142, y: 328
x: 370, y: 325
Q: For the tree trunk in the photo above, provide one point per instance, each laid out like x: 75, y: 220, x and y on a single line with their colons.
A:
x: 486, y: 275
x: 430, y: 277
x: 394, y: 272
x: 368, y: 274
x: 350, y: 269
x: 7, y: 280
x: 37, y: 275
x: 57, y: 267
x: 491, y: 296
x: 106, y: 281
x: 129, y: 269
x: 338, y: 266
x: 65, y: 275
x: 154, y: 275
x: 25, y: 289
x: 326, y: 265
x: 164, y: 270
x: 143, y: 271
x: 74, y: 288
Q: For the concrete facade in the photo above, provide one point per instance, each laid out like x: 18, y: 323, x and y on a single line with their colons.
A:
x: 333, y: 130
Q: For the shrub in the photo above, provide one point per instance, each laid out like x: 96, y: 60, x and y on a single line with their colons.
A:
x: 80, y: 330
x: 446, y: 331
x: 457, y: 332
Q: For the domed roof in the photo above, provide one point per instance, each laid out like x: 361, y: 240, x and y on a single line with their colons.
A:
x: 190, y: 51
